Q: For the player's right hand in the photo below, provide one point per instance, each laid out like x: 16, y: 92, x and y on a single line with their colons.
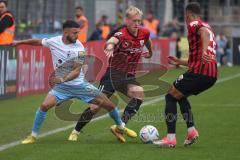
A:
x: 173, y: 60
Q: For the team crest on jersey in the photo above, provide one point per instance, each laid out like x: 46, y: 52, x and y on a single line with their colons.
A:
x: 60, y: 61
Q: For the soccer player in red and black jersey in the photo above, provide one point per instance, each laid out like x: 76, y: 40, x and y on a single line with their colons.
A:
x: 124, y: 49
x: 201, y: 75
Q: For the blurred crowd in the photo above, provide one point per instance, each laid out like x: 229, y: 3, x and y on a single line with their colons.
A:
x: 102, y: 29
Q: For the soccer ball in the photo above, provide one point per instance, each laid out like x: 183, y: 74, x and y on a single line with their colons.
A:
x: 148, y: 134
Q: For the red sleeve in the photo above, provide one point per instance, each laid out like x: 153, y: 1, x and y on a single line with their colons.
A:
x: 195, y: 26
x: 145, y: 34
x: 118, y: 35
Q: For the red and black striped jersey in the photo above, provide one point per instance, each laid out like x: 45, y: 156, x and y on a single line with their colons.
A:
x: 129, y: 49
x: 195, y: 64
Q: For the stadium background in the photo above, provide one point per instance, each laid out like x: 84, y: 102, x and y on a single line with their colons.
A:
x: 216, y: 110
x: 221, y: 14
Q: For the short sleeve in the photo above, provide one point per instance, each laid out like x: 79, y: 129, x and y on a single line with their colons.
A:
x: 194, y: 27
x: 81, y: 57
x: 118, y: 35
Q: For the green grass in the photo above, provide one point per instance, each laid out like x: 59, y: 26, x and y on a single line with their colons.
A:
x: 216, y: 113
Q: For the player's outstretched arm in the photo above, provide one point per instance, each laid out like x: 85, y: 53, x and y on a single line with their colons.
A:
x: 28, y: 41
x: 109, y: 47
x: 149, y: 47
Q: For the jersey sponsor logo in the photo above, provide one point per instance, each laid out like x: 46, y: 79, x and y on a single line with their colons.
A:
x: 126, y: 44
x: 71, y: 53
x: 135, y: 50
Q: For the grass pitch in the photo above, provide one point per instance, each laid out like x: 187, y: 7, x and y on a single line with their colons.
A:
x: 216, y: 113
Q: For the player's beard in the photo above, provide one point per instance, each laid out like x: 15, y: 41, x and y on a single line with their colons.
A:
x: 71, y: 40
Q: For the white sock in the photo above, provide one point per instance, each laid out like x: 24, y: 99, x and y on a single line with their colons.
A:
x: 34, y: 134
x: 190, y: 129
x: 75, y: 131
x: 121, y: 126
x: 171, y: 136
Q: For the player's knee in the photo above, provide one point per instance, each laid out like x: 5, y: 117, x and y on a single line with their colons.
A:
x: 45, y: 107
x: 94, y: 108
x: 136, y: 92
x: 104, y: 102
x: 175, y: 93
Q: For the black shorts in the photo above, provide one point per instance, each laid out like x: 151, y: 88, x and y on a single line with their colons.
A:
x: 193, y: 84
x: 114, y: 80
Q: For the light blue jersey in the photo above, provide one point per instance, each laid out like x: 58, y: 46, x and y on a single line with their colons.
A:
x: 63, y: 57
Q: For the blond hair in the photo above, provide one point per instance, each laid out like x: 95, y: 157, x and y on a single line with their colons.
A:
x: 133, y: 11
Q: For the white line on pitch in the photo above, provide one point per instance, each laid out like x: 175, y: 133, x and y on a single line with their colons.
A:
x: 161, y: 98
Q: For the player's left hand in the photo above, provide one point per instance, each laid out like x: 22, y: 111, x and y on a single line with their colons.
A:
x: 206, y: 58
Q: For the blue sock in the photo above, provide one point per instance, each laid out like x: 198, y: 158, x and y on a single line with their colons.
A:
x: 114, y: 114
x: 39, y: 118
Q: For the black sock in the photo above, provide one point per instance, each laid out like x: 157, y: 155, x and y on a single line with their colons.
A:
x: 131, y: 109
x: 185, y: 108
x: 86, y: 117
x: 171, y: 113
